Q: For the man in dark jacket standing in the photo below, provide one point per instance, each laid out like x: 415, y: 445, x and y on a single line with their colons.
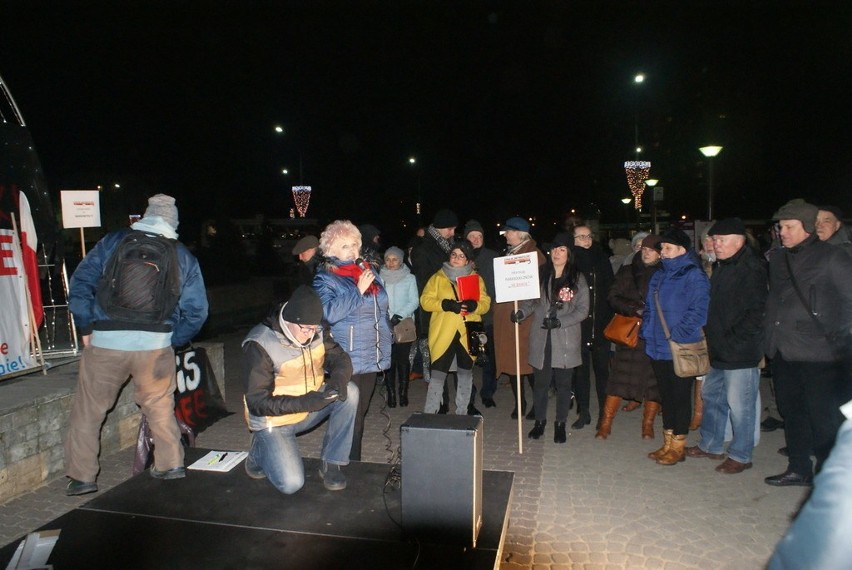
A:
x: 809, y: 305
x: 483, y: 259
x: 738, y: 290
x: 596, y: 268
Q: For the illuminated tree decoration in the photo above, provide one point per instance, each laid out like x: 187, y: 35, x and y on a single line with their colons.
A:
x: 302, y: 197
x: 637, y: 173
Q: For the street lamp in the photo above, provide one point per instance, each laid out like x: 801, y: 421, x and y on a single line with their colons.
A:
x: 650, y: 183
x: 626, y: 201
x: 710, y: 152
x: 638, y: 79
x: 413, y: 162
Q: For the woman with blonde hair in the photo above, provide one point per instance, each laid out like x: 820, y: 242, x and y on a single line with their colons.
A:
x: 355, y: 306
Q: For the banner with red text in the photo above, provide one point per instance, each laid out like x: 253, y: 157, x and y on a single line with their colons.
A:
x: 18, y: 272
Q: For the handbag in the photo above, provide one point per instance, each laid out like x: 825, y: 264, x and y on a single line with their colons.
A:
x: 477, y: 339
x: 623, y: 330
x: 405, y: 331
x: 689, y: 358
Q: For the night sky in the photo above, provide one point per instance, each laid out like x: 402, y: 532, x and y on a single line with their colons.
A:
x: 510, y: 107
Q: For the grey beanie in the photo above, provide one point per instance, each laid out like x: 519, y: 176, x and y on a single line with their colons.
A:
x: 163, y: 206
x: 473, y: 226
x: 394, y: 251
x: 800, y: 210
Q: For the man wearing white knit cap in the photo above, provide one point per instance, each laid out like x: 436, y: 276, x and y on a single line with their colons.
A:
x: 137, y: 294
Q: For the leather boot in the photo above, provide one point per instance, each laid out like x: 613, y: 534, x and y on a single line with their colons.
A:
x: 697, y: 407
x: 676, y: 452
x: 559, y: 433
x: 667, y: 442
x: 390, y: 388
x: 607, y: 415
x: 538, y: 430
x: 649, y: 413
x: 403, y: 392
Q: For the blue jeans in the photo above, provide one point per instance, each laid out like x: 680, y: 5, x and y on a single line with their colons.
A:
x: 731, y: 392
x: 275, y: 451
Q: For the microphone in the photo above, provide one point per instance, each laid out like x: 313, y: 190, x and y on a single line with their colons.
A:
x: 362, y: 264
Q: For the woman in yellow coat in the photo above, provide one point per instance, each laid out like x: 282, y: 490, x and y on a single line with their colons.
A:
x: 448, y: 343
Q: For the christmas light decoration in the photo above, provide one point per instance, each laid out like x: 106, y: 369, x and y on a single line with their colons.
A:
x: 302, y: 197
x: 637, y: 173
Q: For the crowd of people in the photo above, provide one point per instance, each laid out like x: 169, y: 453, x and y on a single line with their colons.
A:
x: 430, y: 311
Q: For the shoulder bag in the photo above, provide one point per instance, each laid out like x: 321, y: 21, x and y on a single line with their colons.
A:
x: 623, y: 330
x: 405, y: 331
x: 689, y: 358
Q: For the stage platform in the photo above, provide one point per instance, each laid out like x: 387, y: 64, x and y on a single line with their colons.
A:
x: 227, y: 520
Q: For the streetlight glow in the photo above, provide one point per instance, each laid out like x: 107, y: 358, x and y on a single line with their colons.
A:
x: 640, y: 77
x: 651, y: 182
x: 626, y: 201
x: 412, y: 160
x: 710, y: 151
x: 285, y: 172
x: 279, y: 129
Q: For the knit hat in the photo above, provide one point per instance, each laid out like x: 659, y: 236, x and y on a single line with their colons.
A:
x: 638, y: 238
x: 394, y: 251
x: 562, y: 239
x: 837, y: 212
x: 445, y: 219
x: 473, y: 226
x: 651, y: 241
x: 800, y: 210
x: 676, y: 237
x: 163, y: 206
x: 465, y: 246
x: 304, y: 244
x: 727, y: 227
x: 303, y: 308
x: 518, y: 224
x: 369, y: 232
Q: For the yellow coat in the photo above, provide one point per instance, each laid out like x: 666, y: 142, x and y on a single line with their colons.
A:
x: 444, y: 325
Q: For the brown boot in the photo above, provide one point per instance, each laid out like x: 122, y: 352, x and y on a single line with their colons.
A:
x: 676, y: 452
x: 609, y: 410
x: 697, y: 407
x: 649, y: 413
x: 667, y: 442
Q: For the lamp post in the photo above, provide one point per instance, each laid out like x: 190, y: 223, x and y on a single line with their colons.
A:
x: 650, y: 183
x: 626, y: 201
x: 710, y: 152
x: 412, y: 160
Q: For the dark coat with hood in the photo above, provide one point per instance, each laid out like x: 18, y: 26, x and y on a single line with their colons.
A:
x: 631, y: 376
x: 738, y: 290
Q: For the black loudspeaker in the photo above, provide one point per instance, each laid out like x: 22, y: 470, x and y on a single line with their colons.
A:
x: 442, y: 477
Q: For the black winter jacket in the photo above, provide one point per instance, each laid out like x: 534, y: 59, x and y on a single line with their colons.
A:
x: 734, y: 329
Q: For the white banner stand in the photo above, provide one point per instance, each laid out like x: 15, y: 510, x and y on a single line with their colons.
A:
x: 516, y: 279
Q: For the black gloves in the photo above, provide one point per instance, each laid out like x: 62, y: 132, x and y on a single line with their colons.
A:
x: 516, y: 316
x: 551, y: 323
x: 310, y: 402
x: 469, y: 305
x: 451, y: 306
x: 339, y: 385
x: 395, y: 320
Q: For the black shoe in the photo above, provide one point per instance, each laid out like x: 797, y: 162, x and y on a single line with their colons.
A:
x: 584, y: 420
x: 790, y: 479
x: 771, y: 424
x: 559, y: 433
x: 523, y: 410
x: 531, y: 414
x: 472, y: 411
x: 538, y: 430
x: 784, y: 451
x: 489, y: 403
x: 80, y: 487
x: 444, y: 408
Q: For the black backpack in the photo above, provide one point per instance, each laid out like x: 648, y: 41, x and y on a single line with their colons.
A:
x: 141, y: 280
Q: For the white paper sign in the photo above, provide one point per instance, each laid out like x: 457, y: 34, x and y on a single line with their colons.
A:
x: 81, y: 209
x: 516, y: 277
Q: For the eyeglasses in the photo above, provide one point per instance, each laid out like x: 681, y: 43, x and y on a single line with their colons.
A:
x: 313, y: 329
x: 583, y: 236
x: 455, y: 255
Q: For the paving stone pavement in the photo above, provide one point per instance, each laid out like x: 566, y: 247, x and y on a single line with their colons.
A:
x: 587, y: 504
